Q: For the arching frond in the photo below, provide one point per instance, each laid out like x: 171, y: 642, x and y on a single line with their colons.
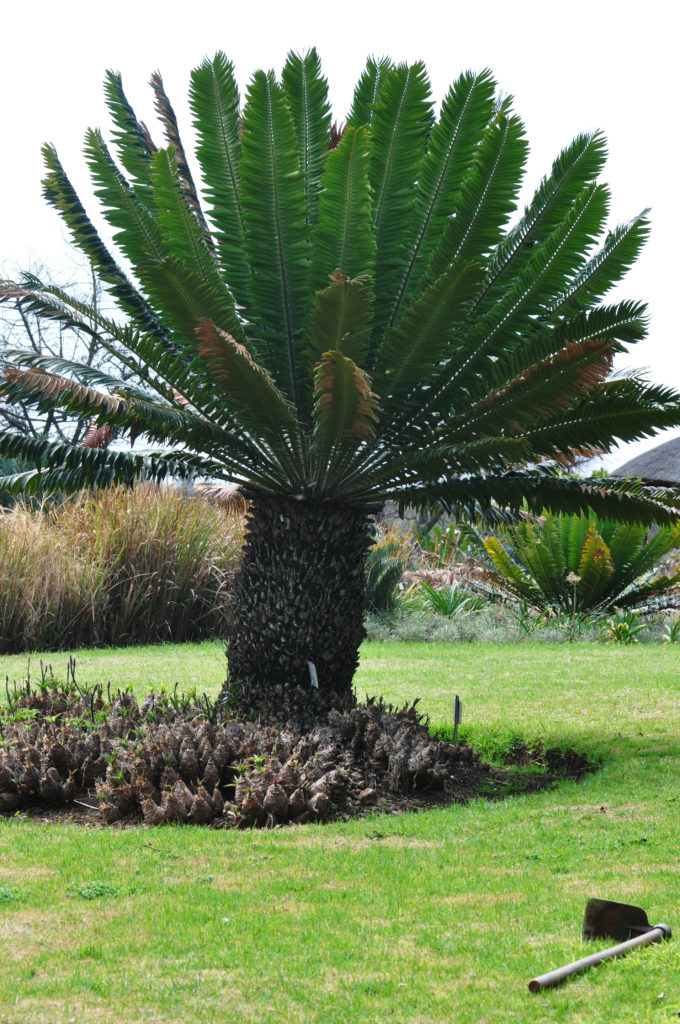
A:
x: 215, y: 102
x: 137, y: 232
x: 399, y: 128
x: 306, y: 90
x: 272, y: 192
x: 367, y: 91
x: 451, y: 146
x: 168, y: 119
x: 186, y: 297
x: 340, y: 318
x: 131, y: 139
x: 487, y: 195
x: 59, y: 192
x: 344, y: 235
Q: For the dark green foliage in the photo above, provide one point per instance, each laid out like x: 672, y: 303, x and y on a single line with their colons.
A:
x: 484, y: 345
x: 386, y: 563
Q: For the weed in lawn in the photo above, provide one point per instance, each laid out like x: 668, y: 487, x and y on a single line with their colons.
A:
x: 8, y: 894
x: 96, y: 890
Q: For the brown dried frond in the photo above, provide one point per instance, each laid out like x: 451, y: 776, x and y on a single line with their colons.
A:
x: 153, y: 148
x: 51, y: 384
x: 228, y: 496
x: 98, y: 435
x: 167, y: 117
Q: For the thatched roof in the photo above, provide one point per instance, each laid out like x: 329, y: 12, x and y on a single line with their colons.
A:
x: 659, y: 466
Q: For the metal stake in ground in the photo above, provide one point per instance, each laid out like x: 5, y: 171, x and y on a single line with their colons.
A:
x: 457, y: 716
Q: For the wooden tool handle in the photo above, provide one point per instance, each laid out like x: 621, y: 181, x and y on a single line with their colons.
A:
x: 655, y: 934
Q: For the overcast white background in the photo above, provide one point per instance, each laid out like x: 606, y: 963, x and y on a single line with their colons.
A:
x: 571, y: 67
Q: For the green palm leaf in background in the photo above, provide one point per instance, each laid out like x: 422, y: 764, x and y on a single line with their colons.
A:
x: 333, y: 319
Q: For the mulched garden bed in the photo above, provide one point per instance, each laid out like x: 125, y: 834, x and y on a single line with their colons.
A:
x: 69, y: 755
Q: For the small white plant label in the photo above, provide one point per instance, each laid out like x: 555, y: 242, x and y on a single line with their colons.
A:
x: 312, y: 674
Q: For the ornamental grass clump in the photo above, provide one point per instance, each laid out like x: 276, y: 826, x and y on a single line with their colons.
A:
x: 119, y: 566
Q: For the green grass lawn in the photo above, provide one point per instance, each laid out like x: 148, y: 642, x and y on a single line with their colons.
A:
x: 440, y: 916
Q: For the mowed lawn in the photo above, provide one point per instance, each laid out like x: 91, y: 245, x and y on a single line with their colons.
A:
x: 439, y: 916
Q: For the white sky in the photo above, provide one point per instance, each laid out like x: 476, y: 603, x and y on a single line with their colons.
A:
x: 571, y: 67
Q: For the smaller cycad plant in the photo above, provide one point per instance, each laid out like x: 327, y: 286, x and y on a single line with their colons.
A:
x: 386, y: 562
x: 579, y: 563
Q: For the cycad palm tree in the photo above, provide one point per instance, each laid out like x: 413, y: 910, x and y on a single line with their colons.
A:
x: 340, y: 317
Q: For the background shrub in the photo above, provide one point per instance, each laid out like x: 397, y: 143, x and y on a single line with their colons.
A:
x: 115, y: 567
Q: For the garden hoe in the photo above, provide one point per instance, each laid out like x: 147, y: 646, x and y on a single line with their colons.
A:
x: 605, y: 919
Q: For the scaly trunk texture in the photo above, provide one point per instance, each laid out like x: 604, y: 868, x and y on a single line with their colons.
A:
x: 298, y: 597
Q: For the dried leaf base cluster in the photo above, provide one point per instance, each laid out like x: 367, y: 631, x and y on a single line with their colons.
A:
x: 173, y: 759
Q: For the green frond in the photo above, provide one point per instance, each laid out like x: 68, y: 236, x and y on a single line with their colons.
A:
x: 499, y: 321
x: 574, y: 530
x: 137, y: 232
x: 185, y: 297
x: 344, y: 236
x: 340, y: 318
x: 465, y: 113
x: 538, y: 390
x: 487, y: 196
x: 627, y: 410
x: 411, y: 353
x: 399, y: 131
x: 214, y: 100
x: 272, y: 192
x: 538, y: 558
x: 306, y: 90
x: 366, y: 92
x: 647, y: 558
x: 345, y: 409
x: 595, y: 568
x: 541, y: 490
x: 623, y: 541
x: 168, y: 119
x: 576, y: 167
x: 552, y: 539
x: 605, y: 269
x: 69, y: 468
x: 256, y: 400
x: 623, y: 324
x: 132, y: 141
x: 424, y: 457
x: 59, y: 193
x: 181, y: 232
x: 510, y: 572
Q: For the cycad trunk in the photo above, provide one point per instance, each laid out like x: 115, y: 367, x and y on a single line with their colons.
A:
x: 298, y: 597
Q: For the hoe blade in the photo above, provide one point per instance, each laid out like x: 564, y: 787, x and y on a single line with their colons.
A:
x: 605, y: 919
